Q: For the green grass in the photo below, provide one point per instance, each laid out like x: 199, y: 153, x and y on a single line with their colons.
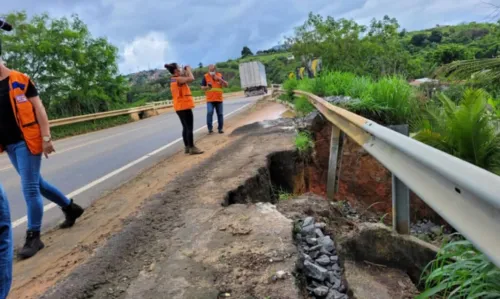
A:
x: 303, y: 107
x: 88, y: 126
x: 461, y: 271
x: 389, y: 101
x: 289, y: 86
x: 284, y: 195
x: 303, y: 142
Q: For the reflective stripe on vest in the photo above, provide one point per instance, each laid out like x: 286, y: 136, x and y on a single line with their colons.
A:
x: 216, y: 93
x: 181, y: 95
x: 24, y: 113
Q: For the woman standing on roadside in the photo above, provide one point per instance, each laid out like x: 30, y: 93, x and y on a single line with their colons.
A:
x: 183, y: 104
x: 25, y: 135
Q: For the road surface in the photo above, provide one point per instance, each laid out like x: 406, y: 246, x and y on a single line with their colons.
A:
x: 87, y: 166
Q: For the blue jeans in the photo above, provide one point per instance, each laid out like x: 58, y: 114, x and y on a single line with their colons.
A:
x: 6, y: 246
x: 33, y: 185
x: 210, y: 113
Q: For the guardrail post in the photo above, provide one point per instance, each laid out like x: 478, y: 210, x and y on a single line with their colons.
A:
x: 400, y: 196
x: 333, y: 163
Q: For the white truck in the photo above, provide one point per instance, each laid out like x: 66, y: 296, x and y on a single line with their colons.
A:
x: 253, y: 78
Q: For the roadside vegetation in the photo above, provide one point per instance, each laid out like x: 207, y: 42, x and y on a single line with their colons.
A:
x: 303, y: 142
x: 461, y: 271
x: 367, y: 72
x: 61, y: 132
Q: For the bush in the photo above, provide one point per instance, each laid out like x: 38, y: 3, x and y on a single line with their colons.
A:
x: 303, y: 142
x: 302, y: 106
x: 390, y: 100
x: 464, y: 130
x: 289, y: 86
x: 88, y: 126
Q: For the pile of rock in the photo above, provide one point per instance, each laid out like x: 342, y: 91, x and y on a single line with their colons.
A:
x: 341, y: 100
x: 319, y: 261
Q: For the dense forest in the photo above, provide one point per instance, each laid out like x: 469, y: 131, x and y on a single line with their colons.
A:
x: 78, y: 73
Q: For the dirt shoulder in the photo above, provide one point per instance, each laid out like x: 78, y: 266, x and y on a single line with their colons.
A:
x: 66, y: 250
x: 185, y: 244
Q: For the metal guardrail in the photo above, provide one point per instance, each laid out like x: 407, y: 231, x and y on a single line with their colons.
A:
x: 466, y: 196
x: 148, y: 106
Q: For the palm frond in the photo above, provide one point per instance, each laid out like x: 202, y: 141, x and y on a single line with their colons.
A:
x: 465, y: 130
x: 488, y: 68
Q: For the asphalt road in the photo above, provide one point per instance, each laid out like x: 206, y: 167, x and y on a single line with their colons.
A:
x: 89, y: 165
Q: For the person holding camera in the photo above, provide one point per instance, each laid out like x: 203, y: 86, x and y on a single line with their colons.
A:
x: 25, y: 136
x: 183, y: 103
x: 212, y: 84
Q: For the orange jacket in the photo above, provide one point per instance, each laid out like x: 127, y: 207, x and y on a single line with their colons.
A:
x: 216, y: 93
x: 24, y: 112
x: 181, y: 95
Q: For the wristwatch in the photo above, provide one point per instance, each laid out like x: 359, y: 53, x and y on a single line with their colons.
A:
x: 47, y: 138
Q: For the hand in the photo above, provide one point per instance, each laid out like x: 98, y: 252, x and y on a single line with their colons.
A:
x: 48, y: 148
x: 187, y: 67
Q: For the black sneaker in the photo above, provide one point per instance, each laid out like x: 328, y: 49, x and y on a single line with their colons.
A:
x: 210, y: 132
x: 221, y: 132
x: 186, y: 150
x: 32, y: 245
x: 71, y: 212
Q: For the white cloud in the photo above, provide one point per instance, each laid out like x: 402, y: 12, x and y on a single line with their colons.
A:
x: 421, y: 14
x: 145, y: 52
x: 147, y: 32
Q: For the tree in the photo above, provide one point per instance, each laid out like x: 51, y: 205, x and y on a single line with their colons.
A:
x: 445, y: 54
x: 200, y: 65
x: 419, y: 39
x: 74, y: 72
x: 246, y: 52
x: 436, y: 36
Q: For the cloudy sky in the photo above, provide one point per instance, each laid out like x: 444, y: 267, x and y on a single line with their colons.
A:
x: 152, y: 32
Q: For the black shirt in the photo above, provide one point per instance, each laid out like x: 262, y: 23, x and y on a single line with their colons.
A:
x: 9, y: 130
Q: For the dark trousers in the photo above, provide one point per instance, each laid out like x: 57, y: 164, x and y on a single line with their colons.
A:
x: 220, y: 115
x: 186, y: 117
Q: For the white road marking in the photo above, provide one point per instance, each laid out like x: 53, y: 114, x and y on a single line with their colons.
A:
x: 51, y: 205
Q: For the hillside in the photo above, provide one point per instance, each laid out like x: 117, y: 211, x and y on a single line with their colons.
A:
x: 152, y: 85
x: 377, y: 50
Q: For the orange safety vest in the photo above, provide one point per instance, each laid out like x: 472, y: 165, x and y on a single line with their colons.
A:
x: 216, y: 93
x: 24, y: 112
x: 181, y: 95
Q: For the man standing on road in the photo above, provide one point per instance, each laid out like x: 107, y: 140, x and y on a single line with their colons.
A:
x: 212, y: 84
x: 25, y: 136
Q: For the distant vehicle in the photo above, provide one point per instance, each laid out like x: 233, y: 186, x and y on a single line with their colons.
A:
x: 253, y: 78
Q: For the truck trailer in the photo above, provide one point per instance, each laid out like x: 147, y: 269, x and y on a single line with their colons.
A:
x: 253, y: 78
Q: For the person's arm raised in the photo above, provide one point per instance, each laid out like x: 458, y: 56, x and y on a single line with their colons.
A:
x: 187, y: 79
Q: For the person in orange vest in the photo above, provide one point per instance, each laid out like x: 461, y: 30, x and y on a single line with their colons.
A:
x: 212, y: 83
x: 25, y: 136
x: 183, y: 103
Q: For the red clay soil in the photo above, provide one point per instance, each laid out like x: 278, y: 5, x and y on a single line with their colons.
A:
x: 363, y: 181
